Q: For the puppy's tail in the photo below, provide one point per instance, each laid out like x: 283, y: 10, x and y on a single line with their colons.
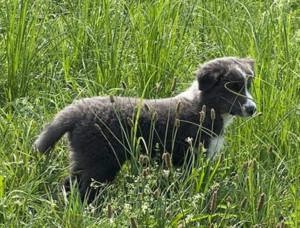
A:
x: 62, y: 123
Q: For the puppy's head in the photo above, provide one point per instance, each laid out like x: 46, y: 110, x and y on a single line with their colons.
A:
x: 225, y: 84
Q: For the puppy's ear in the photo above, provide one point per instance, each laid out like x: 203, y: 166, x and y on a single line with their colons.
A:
x: 208, y: 76
x: 250, y: 62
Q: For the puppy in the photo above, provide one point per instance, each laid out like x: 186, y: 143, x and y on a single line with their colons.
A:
x: 99, y: 128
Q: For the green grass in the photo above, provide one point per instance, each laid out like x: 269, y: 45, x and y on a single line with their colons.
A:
x: 55, y: 51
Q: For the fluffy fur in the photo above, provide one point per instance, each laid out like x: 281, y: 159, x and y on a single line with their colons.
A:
x: 99, y: 127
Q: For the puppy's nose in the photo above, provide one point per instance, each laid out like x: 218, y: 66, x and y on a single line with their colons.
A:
x: 250, y: 109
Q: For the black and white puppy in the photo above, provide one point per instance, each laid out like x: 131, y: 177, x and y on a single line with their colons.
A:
x: 99, y: 128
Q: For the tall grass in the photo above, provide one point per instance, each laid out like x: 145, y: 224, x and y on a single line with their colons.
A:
x: 52, y: 52
x: 20, y: 45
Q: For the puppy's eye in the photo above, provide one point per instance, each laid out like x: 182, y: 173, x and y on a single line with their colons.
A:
x: 234, y: 86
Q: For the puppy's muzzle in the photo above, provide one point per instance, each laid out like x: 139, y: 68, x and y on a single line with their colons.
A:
x: 249, y: 108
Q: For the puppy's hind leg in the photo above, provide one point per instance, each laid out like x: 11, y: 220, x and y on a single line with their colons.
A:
x: 95, y: 171
x: 68, y: 183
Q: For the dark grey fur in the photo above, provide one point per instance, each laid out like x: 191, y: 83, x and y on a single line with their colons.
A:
x: 98, y: 127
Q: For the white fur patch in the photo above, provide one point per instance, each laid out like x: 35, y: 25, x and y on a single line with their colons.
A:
x: 215, y: 146
x: 217, y: 142
x: 227, y: 120
x: 249, y: 101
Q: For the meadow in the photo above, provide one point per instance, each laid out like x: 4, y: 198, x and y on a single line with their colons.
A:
x: 55, y: 51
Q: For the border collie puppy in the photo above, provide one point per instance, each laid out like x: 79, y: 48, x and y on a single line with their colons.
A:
x: 99, y: 128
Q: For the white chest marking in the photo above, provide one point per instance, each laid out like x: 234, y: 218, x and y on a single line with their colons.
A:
x: 227, y: 120
x: 215, y: 146
x: 217, y: 142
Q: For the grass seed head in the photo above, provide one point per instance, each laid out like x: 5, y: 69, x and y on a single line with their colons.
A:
x: 201, y: 117
x: 228, y: 201
x: 144, y: 160
x: 212, y: 114
x: 146, y: 172
x: 167, y: 160
x: 157, y: 193
x: 261, y: 202
x: 174, y: 84
x: 130, y: 122
x: 109, y: 211
x: 213, y: 201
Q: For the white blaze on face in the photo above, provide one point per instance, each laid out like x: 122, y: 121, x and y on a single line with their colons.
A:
x: 249, y: 102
